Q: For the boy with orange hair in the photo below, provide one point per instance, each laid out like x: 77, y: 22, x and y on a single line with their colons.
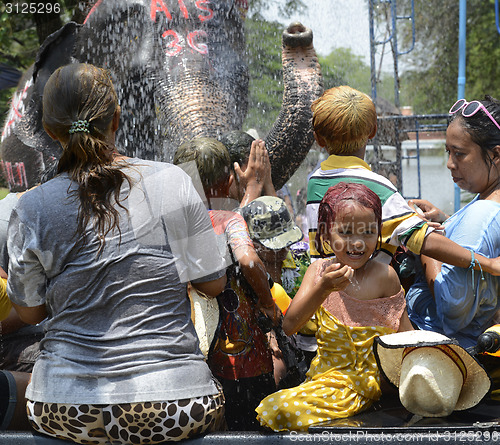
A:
x: 344, y: 119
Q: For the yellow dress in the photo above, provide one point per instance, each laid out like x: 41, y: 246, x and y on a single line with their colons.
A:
x: 5, y: 304
x: 343, y: 378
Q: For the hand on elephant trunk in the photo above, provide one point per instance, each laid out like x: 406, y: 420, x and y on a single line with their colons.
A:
x: 254, y: 179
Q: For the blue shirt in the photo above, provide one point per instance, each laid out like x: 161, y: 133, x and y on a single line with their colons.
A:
x: 463, y: 304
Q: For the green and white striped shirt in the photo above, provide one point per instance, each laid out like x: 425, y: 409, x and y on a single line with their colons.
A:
x: 400, y: 224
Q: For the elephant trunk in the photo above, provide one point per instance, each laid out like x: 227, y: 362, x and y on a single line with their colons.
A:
x: 291, y: 136
x: 197, y: 105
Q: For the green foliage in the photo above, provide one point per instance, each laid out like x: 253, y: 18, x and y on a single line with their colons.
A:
x: 21, y: 35
x: 18, y: 47
x: 430, y: 82
x: 266, y: 76
x: 343, y: 67
x: 483, y: 51
x: 288, y: 8
x: 18, y: 39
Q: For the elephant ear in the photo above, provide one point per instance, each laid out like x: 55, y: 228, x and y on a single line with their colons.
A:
x: 119, y: 36
x: 55, y: 51
x: 26, y: 149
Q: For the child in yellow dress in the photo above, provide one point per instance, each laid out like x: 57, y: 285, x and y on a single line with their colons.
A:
x: 354, y: 300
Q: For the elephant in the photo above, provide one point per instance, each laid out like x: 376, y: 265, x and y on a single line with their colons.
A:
x: 180, y: 72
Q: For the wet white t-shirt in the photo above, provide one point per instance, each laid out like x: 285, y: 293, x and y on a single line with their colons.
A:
x: 119, y: 327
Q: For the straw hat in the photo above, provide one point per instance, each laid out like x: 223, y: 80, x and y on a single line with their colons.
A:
x: 205, y: 317
x: 434, y: 374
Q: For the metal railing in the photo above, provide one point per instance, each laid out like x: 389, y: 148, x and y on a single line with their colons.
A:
x: 393, y: 131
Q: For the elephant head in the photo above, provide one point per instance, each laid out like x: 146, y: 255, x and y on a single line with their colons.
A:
x: 180, y: 72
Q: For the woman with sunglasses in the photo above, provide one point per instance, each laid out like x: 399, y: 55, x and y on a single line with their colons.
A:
x: 458, y: 302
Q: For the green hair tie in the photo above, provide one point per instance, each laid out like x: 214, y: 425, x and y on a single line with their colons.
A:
x: 79, y: 127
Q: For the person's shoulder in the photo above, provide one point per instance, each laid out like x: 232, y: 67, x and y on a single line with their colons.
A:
x: 481, y: 212
x: 226, y: 216
x: 484, y: 205
x: 53, y: 194
x: 316, y: 265
x: 233, y: 216
x: 7, y: 204
x: 387, y: 279
x: 49, y: 190
x: 160, y: 172
x: 144, y: 164
x: 377, y: 177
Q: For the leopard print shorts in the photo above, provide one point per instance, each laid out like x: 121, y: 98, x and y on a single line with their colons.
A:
x: 129, y: 423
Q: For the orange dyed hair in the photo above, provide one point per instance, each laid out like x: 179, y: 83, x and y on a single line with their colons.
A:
x: 345, y: 119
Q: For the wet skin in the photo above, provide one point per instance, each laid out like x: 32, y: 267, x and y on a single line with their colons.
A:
x: 354, y: 235
x: 467, y: 166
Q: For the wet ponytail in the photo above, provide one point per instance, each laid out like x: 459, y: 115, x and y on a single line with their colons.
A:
x: 79, y: 105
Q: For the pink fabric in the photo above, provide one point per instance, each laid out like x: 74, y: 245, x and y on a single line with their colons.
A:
x: 350, y: 311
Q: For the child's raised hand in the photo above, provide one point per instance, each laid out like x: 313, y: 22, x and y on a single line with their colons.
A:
x: 335, y: 277
x: 257, y: 175
x: 258, y: 165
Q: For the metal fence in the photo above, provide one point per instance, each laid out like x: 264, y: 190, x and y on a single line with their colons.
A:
x: 392, y: 132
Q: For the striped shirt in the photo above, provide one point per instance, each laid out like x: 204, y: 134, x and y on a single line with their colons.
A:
x: 400, y: 224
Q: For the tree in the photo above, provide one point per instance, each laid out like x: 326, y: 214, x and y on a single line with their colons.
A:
x: 483, y: 51
x: 343, y: 67
x: 22, y: 33
x: 430, y: 79
x: 265, y: 70
x: 286, y: 9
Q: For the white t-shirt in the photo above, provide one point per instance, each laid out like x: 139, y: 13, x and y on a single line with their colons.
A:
x: 119, y: 327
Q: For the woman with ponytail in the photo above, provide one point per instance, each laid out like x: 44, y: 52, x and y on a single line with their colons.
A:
x: 104, y: 252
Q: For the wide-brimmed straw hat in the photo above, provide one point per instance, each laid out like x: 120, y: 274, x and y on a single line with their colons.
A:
x: 269, y: 221
x: 434, y: 374
x: 205, y: 316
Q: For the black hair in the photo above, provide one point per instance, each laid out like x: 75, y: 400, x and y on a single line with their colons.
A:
x: 482, y: 131
x: 238, y: 143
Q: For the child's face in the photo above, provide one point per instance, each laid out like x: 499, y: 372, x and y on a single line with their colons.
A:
x: 354, y: 235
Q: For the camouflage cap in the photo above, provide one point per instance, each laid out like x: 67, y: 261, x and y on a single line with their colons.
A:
x: 270, y: 222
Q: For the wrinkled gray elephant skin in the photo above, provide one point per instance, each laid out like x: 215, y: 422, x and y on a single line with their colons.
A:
x: 179, y: 70
x: 26, y: 150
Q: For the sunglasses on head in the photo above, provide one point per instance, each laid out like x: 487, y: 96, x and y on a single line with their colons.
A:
x: 470, y: 109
